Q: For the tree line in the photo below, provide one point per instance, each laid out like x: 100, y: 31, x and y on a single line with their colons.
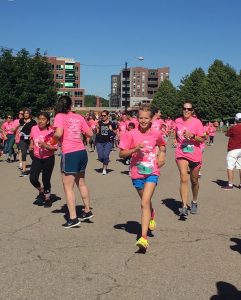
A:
x: 28, y: 81
x: 215, y: 95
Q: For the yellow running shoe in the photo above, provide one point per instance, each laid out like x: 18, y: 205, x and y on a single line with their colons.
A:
x: 152, y: 225
x: 142, y: 243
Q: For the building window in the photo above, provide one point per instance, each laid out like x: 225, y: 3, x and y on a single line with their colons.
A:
x: 59, y: 67
x: 78, y: 94
x: 69, y: 84
x: 59, y: 76
x: 69, y: 67
x: 76, y: 68
x: 78, y: 103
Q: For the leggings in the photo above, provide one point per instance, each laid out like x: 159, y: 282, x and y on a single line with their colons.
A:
x: 45, y: 165
x: 24, y: 145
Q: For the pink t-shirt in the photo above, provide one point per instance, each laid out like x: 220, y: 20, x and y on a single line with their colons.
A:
x: 92, y: 124
x: 212, y: 130
x: 144, y: 161
x: 7, y: 126
x: 156, y: 124
x: 73, y: 125
x: 38, y: 135
x: 188, y: 149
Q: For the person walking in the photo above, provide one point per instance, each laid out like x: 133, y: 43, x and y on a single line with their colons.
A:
x: 147, y: 149
x: 26, y: 124
x: 105, y: 133
x: 234, y: 152
x: 9, y: 128
x: 69, y: 127
x: 189, y: 136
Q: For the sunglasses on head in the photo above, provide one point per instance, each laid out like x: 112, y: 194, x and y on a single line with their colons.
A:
x: 187, y: 108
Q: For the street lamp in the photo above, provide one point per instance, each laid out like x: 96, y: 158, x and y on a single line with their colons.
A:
x: 126, y: 77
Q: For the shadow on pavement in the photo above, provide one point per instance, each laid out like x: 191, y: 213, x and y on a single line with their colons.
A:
x: 64, y: 210
x: 226, y: 291
x: 40, y: 201
x: 125, y: 172
x: 172, y: 204
x: 220, y: 182
x: 236, y: 247
x: 132, y: 227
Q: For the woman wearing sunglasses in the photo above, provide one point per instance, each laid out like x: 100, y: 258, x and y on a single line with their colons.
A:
x: 105, y: 133
x: 189, y: 136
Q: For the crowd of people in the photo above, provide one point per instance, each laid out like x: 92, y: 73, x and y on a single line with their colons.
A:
x: 141, y: 140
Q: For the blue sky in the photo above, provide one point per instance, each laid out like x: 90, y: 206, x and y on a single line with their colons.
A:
x: 183, y: 35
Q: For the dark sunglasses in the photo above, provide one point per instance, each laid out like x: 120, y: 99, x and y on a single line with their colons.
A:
x: 9, y: 117
x: 103, y: 115
x: 187, y: 108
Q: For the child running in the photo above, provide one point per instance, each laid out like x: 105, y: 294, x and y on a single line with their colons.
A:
x: 43, y: 145
x: 147, y: 148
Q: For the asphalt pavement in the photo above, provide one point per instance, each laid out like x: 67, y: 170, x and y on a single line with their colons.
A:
x: 197, y: 258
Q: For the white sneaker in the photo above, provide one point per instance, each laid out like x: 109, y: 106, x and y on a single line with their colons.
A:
x: 104, y: 172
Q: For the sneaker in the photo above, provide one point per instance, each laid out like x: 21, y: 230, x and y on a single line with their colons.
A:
x: 8, y: 160
x: 152, y: 223
x: 86, y: 216
x: 227, y: 187
x: 104, y: 172
x: 193, y: 207
x: 71, y: 223
x: 142, y: 243
x: 183, y: 211
x: 23, y: 174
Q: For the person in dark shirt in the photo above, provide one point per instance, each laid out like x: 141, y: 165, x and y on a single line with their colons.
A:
x: 234, y: 152
x: 105, y: 134
x: 25, y: 126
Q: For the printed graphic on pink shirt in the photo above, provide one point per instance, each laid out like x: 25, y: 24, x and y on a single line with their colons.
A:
x: 144, y: 161
x: 188, y: 148
x: 38, y: 135
x: 73, y: 125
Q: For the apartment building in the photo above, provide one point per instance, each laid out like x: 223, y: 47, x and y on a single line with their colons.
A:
x: 67, y: 77
x: 137, y: 85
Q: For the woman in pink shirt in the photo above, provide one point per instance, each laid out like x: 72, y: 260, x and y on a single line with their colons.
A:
x: 147, y: 150
x: 211, y: 132
x: 189, y: 136
x: 43, y: 145
x: 9, y: 128
x: 69, y: 127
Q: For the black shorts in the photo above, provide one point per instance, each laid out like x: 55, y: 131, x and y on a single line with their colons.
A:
x: 191, y: 164
x: 74, y: 162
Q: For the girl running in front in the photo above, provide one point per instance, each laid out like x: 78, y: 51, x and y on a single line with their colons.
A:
x: 147, y: 148
x: 43, y: 145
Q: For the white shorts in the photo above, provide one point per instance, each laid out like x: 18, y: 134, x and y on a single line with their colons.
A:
x: 234, y: 159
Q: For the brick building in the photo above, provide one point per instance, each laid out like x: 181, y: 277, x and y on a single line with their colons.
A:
x: 138, y: 83
x: 67, y: 77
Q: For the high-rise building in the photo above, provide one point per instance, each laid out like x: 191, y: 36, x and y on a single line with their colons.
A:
x: 67, y: 77
x: 137, y: 85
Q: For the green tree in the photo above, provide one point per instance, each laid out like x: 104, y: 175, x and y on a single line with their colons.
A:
x: 166, y: 100
x: 25, y: 81
x: 90, y: 101
x: 193, y: 88
x: 223, y: 86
